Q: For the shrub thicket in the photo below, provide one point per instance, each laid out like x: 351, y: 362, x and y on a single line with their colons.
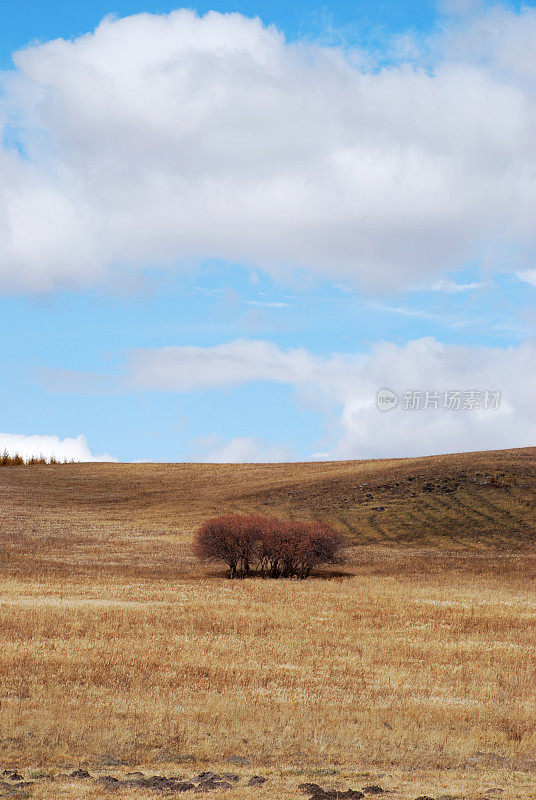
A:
x: 274, y: 548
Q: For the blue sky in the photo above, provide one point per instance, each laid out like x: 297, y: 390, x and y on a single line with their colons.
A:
x: 22, y: 22
x: 227, y: 261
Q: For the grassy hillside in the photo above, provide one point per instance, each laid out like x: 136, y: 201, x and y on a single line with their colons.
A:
x: 471, y: 500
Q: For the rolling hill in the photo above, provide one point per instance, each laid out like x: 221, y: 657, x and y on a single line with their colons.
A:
x: 460, y: 501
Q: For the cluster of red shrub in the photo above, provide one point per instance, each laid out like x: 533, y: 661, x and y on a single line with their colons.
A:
x: 273, y: 548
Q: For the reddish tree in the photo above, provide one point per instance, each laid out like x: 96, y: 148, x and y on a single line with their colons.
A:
x: 324, y: 546
x: 230, y: 539
x: 272, y: 546
x: 282, y: 548
x: 300, y: 546
x: 248, y: 532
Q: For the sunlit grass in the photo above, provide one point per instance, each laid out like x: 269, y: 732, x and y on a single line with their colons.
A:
x: 421, y: 670
x: 417, y: 665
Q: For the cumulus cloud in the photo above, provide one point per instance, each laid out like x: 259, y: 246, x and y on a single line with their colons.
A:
x: 68, y: 449
x: 239, y: 450
x: 426, y: 366
x: 162, y: 140
x: 348, y: 384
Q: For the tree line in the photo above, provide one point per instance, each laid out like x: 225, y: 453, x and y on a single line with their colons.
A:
x: 16, y: 460
x: 272, y: 548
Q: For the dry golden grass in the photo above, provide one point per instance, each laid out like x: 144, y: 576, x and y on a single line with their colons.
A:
x: 476, y: 498
x: 423, y: 668
x: 419, y: 662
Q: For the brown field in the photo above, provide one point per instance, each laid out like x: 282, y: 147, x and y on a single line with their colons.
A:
x: 413, y: 665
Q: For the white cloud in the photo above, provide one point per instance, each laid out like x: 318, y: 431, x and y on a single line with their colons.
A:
x: 451, y: 287
x: 501, y: 39
x: 527, y: 276
x: 427, y: 365
x: 186, y: 369
x: 166, y: 139
x: 268, y: 304
x: 348, y: 383
x: 75, y: 449
x: 239, y: 450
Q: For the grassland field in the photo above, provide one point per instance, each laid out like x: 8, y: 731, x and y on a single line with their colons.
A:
x: 411, y: 665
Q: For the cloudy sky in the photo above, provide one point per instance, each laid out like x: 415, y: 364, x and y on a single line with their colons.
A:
x: 224, y: 229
